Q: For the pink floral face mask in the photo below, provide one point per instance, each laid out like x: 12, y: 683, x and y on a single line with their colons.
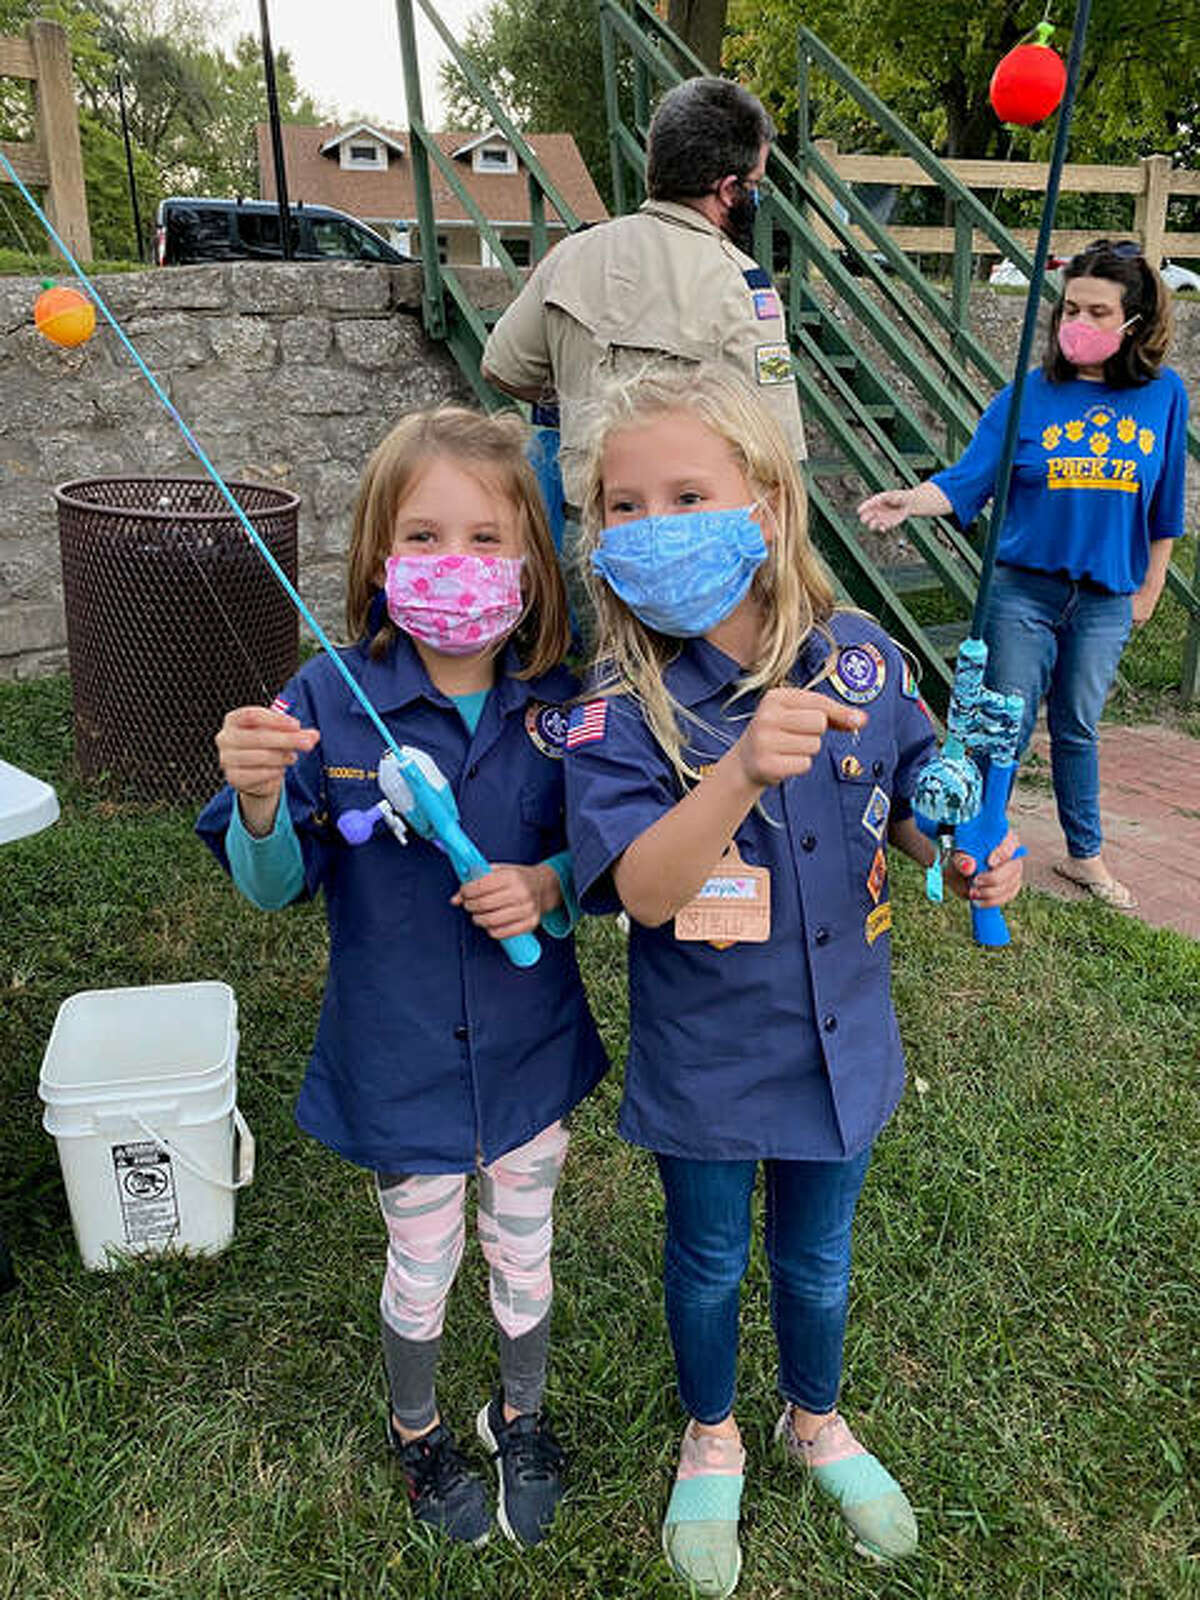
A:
x: 458, y: 604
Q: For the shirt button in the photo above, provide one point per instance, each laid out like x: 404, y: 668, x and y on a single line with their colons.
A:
x: 460, y: 1033
x: 809, y: 842
x: 821, y: 936
x: 830, y: 1024
x: 877, y: 769
x: 473, y: 770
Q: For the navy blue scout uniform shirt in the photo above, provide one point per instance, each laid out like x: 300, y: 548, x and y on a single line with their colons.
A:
x: 431, y: 1044
x: 789, y: 1048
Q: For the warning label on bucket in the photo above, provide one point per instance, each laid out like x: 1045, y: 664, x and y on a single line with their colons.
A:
x: 146, y: 1185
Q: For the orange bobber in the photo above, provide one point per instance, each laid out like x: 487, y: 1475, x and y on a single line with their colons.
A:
x: 65, y: 316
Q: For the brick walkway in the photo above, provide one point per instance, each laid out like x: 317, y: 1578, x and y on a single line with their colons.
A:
x: 1150, y: 813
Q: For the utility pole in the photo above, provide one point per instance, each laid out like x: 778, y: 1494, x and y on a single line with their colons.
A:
x: 285, y: 218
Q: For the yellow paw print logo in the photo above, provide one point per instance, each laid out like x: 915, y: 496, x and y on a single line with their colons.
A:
x: 1145, y: 440
x: 1099, y: 443
x: 1051, y: 436
x: 1100, y: 418
x: 1074, y: 431
x: 1126, y: 429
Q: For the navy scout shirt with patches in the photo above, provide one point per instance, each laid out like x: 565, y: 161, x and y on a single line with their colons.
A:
x: 431, y: 1044
x: 788, y: 1048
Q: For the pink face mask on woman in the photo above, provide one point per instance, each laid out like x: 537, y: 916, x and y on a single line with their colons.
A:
x: 1085, y: 345
x: 458, y: 604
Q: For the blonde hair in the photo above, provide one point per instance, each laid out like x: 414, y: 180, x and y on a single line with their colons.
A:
x: 792, y: 588
x: 492, y: 450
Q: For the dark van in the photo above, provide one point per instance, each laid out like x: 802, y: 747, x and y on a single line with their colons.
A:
x: 195, y: 228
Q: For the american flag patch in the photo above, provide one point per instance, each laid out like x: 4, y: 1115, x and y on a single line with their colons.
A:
x: 587, y: 723
x: 280, y: 704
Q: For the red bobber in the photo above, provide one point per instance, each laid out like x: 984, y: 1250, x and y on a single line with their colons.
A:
x: 1028, y: 83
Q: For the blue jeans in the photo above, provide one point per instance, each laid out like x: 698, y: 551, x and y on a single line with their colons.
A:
x: 809, y: 1214
x: 1051, y: 636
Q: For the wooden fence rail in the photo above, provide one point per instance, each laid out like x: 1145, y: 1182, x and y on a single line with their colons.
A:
x: 52, y: 160
x: 1150, y: 184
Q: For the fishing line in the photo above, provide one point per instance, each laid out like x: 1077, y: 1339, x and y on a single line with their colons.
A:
x: 201, y: 455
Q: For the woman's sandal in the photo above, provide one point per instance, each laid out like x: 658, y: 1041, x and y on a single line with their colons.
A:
x: 1109, y: 891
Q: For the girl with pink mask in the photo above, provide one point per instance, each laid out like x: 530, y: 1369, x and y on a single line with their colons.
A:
x: 435, y: 1056
x: 1097, y: 498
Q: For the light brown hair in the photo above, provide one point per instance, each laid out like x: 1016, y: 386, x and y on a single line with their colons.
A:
x: 791, y: 587
x: 492, y: 450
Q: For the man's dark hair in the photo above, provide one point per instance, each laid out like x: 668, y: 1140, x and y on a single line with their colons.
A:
x: 703, y: 130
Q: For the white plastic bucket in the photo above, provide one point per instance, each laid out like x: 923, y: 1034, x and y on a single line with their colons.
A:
x: 140, y: 1090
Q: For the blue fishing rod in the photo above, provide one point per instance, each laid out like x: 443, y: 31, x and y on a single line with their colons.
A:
x: 415, y: 792
x: 952, y: 794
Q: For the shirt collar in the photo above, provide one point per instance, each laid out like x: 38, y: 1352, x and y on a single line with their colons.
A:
x: 677, y: 211
x: 399, y: 678
x: 701, y: 669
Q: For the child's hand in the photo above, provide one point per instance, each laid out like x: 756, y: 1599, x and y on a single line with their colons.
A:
x: 785, y: 733
x: 997, y: 885
x: 511, y: 899
x: 255, y: 747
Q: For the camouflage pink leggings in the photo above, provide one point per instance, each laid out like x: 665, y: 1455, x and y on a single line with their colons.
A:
x: 426, y: 1234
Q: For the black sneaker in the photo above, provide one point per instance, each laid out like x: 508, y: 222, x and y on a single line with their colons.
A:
x: 442, y: 1490
x: 530, y: 1466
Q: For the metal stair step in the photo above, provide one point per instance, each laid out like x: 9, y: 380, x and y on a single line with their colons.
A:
x: 911, y: 577
x: 947, y: 636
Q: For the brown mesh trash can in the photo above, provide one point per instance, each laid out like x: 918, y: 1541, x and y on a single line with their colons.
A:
x: 173, y: 617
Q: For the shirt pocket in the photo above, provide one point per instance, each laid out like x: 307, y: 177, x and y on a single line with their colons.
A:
x: 543, y: 828
x: 863, y: 773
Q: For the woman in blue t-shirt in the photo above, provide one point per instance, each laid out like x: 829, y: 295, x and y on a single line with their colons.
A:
x: 1097, y: 496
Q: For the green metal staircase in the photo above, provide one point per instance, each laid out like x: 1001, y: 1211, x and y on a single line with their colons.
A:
x: 891, y: 376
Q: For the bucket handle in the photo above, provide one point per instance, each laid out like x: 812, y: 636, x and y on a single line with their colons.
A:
x: 245, y: 1153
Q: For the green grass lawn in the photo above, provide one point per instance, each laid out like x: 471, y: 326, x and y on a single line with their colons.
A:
x: 1023, y: 1346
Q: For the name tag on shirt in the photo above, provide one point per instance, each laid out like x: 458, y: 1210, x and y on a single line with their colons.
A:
x: 732, y: 907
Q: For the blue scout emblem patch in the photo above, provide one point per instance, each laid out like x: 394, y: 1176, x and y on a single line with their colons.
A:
x: 874, y: 818
x: 766, y: 305
x: 877, y: 875
x: 859, y: 673
x: 546, y: 726
x: 586, y: 724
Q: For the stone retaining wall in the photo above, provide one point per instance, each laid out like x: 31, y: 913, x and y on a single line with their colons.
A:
x: 288, y: 374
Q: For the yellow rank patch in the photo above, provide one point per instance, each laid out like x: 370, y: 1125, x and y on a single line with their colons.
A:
x: 878, y: 921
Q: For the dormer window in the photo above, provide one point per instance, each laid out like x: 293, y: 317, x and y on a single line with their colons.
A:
x: 494, y: 158
x: 364, y: 153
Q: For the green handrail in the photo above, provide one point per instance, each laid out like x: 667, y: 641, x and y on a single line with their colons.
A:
x: 969, y: 213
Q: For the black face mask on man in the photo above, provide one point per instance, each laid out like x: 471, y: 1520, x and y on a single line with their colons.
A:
x: 739, y: 219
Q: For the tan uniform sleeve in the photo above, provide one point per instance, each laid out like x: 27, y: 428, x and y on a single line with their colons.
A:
x: 517, y: 353
x: 756, y: 342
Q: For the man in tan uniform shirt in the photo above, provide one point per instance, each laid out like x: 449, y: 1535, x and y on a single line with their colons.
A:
x: 674, y: 279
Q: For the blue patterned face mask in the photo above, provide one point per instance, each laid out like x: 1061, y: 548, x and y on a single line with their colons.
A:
x: 682, y: 574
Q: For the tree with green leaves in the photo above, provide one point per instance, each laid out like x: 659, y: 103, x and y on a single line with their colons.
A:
x: 933, y: 64
x: 191, y: 110
x: 541, y: 59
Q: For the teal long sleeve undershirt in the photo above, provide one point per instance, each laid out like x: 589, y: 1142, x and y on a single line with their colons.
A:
x: 270, y: 871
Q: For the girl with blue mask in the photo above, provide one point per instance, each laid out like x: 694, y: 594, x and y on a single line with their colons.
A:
x: 745, y: 757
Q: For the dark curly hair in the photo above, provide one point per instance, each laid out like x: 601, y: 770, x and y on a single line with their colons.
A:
x: 1144, y: 295
x: 703, y: 130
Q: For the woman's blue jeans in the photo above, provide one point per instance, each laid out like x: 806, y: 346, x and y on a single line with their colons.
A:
x: 1053, y: 637
x: 809, y: 1215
